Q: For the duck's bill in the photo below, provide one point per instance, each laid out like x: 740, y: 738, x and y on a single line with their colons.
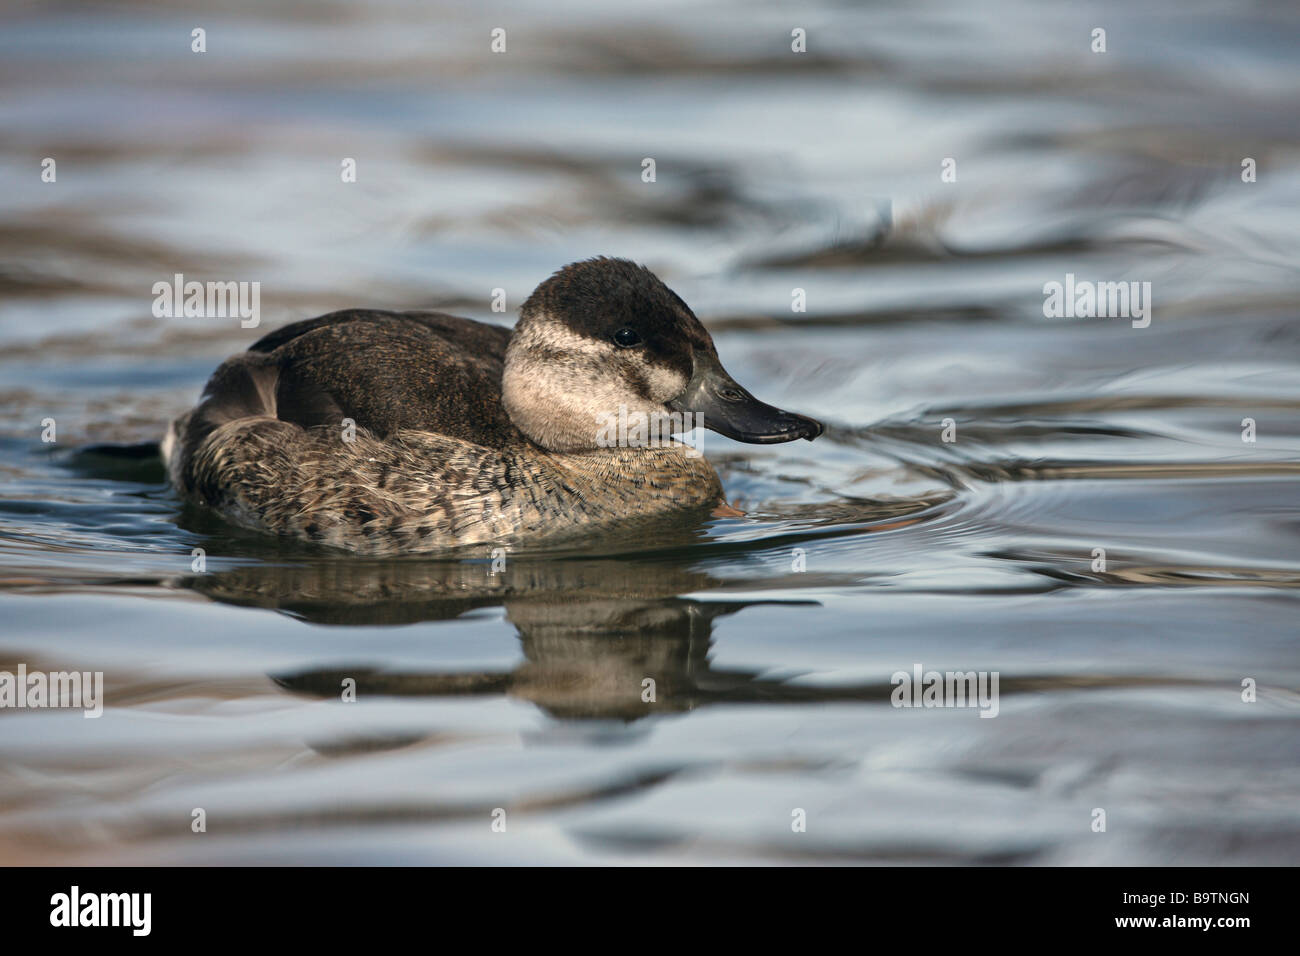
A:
x: 728, y: 409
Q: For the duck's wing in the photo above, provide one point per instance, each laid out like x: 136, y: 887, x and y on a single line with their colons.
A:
x: 387, y: 371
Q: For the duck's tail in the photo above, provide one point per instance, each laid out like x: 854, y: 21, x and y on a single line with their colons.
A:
x: 134, y: 461
x: 134, y: 451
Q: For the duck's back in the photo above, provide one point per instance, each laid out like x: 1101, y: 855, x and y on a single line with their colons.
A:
x: 385, y: 371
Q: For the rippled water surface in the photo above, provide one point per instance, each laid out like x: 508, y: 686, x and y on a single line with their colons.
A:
x: 772, y: 638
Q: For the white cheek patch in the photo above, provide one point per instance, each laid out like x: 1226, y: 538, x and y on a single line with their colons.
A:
x: 591, y: 366
x: 665, y: 383
x: 545, y: 335
x: 560, y: 386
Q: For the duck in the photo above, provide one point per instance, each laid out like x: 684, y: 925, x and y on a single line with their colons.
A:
x: 387, y: 433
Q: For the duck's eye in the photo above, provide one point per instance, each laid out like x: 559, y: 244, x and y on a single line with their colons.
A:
x: 626, y: 338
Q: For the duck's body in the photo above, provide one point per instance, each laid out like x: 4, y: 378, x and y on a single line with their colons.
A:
x: 388, y: 432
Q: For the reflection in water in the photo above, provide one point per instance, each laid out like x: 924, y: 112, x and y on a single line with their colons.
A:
x: 593, y: 634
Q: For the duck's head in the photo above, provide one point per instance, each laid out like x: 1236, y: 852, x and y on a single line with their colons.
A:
x: 605, y: 336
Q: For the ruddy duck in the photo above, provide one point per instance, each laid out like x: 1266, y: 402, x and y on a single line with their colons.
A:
x: 392, y: 432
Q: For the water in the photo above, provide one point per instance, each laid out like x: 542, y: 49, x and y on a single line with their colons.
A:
x: 772, y: 639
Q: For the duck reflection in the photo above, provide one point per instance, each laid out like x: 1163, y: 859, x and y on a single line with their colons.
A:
x: 601, y: 638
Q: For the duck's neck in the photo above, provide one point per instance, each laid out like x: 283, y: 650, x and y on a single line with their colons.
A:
x: 615, y: 482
